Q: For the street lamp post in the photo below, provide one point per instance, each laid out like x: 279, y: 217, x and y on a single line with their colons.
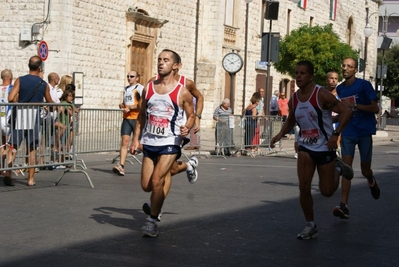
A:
x: 269, y: 46
x: 368, y: 30
x: 269, y: 49
x: 366, y: 42
x: 245, y: 51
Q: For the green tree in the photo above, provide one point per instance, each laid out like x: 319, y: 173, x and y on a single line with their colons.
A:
x: 319, y: 44
x: 391, y: 82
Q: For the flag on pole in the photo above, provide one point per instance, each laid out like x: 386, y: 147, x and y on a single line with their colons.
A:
x: 303, y: 4
x: 333, y: 9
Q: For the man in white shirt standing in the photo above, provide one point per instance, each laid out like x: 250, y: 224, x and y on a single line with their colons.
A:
x: 59, y: 128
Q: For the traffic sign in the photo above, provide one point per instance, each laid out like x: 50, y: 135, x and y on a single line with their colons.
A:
x: 42, y: 50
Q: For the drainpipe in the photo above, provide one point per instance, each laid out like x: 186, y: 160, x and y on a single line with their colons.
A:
x: 196, y: 40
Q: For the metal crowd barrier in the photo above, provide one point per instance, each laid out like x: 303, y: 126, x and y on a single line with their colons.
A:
x: 34, y: 137
x: 248, y: 135
x: 99, y: 130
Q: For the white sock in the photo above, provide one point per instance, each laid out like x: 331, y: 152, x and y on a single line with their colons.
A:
x: 151, y: 220
x: 311, y: 223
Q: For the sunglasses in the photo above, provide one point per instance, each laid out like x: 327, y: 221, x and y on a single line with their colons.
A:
x: 130, y: 76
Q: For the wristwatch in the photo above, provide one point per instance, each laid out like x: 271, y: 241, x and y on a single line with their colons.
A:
x: 336, y: 133
x: 199, y: 116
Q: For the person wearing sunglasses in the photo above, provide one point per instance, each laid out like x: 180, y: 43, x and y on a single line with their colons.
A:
x: 131, y: 96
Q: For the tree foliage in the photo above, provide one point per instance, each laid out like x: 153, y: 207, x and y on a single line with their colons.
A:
x: 391, y: 82
x: 319, y: 44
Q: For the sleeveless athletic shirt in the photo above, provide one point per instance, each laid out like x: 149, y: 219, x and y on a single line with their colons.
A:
x: 164, y: 117
x: 315, y: 123
x: 5, y: 90
x: 130, y: 98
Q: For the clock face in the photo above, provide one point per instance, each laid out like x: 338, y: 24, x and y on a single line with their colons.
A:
x: 232, y: 62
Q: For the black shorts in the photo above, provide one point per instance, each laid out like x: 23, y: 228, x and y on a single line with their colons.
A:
x: 320, y: 158
x: 128, y: 126
x: 153, y: 152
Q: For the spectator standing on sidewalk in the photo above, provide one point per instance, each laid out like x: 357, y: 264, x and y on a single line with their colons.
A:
x: 23, y: 92
x: 360, y: 96
x: 64, y: 81
x: 274, y: 103
x: 251, y: 123
x: 6, y: 86
x: 223, y: 131
x: 261, y: 106
x: 283, y: 111
x: 130, y: 110
x: 311, y: 107
x: 59, y: 127
x: 69, y: 112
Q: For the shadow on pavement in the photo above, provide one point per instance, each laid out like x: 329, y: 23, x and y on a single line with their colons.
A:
x: 244, y: 212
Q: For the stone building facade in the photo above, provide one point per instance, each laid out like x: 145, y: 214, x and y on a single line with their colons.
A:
x: 106, y: 39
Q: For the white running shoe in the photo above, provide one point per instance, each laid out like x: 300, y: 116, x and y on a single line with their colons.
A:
x: 192, y: 175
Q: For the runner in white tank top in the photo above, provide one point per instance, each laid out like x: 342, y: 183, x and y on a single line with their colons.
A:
x: 181, y: 166
x: 160, y: 120
x: 311, y: 108
x: 315, y: 123
x: 164, y: 117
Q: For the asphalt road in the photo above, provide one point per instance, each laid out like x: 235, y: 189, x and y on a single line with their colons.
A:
x: 242, y: 211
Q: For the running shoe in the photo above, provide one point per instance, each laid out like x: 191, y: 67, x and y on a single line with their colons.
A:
x: 375, y: 189
x: 346, y: 170
x: 119, y: 170
x: 185, y: 141
x: 192, y: 175
x: 150, y: 229
x: 147, y: 210
x: 308, y: 233
x: 341, y: 211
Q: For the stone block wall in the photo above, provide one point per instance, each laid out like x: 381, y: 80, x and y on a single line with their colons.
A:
x: 92, y: 37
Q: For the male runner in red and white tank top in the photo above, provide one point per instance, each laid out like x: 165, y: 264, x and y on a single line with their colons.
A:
x: 311, y: 108
x: 189, y: 167
x: 162, y: 131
